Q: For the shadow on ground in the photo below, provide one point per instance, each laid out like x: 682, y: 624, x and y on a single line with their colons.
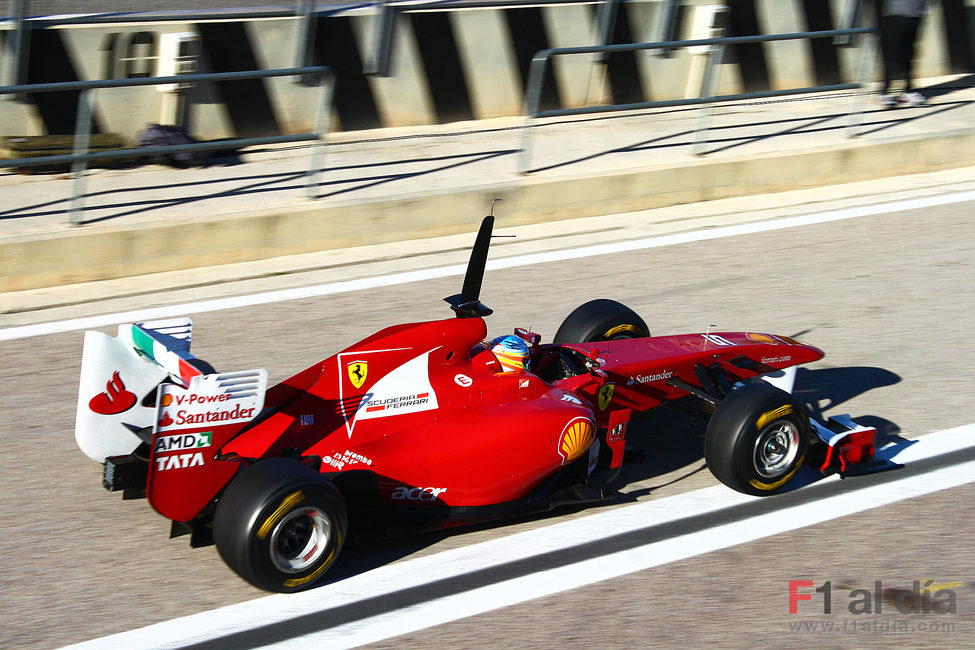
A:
x: 118, y: 202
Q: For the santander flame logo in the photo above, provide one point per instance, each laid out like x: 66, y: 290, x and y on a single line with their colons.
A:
x: 115, y: 399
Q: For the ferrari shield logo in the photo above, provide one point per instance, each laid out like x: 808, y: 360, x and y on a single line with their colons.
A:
x: 605, y: 395
x: 357, y: 373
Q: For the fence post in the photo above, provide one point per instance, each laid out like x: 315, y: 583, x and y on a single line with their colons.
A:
x: 709, y: 82
x: 303, y: 49
x: 82, y: 131
x: 382, y: 48
x: 666, y: 29
x: 606, y: 25
x: 867, y: 54
x: 850, y: 20
x: 533, y: 94
x: 322, y: 115
x: 20, y: 48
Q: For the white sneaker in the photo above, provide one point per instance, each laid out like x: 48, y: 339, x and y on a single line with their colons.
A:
x: 887, y: 101
x: 912, y: 99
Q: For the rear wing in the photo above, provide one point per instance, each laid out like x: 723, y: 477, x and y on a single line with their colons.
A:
x: 119, y: 378
x: 167, y: 344
x: 192, y: 424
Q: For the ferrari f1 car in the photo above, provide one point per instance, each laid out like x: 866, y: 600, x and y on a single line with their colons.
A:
x: 420, y: 426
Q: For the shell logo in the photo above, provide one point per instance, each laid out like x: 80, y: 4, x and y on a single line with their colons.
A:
x: 576, y: 438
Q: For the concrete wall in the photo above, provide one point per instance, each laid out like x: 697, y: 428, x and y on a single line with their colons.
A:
x: 447, y: 65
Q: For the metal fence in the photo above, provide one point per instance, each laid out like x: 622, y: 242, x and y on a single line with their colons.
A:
x: 706, y: 99
x: 28, y: 15
x: 79, y: 159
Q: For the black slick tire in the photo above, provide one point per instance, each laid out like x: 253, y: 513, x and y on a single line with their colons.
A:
x: 601, y: 320
x: 756, y: 440
x: 280, y: 525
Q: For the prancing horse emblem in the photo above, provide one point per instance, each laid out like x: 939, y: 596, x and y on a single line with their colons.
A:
x: 357, y: 373
x: 605, y: 395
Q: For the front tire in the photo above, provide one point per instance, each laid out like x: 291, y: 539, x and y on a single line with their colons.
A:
x: 601, y: 320
x: 280, y: 525
x: 756, y: 440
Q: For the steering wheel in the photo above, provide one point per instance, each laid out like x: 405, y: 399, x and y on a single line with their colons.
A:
x: 555, y: 363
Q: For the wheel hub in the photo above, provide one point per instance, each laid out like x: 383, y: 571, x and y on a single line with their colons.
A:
x: 299, y: 539
x: 776, y: 448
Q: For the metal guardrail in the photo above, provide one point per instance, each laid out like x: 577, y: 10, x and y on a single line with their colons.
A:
x: 79, y: 159
x: 706, y: 99
x: 304, y: 12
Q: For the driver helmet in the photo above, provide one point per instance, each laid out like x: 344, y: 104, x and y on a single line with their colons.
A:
x: 511, y: 352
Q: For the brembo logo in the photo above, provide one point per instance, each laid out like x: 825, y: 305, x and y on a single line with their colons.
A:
x: 417, y: 494
x: 115, y: 399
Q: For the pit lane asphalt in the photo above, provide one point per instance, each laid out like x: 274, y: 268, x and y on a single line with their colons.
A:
x: 332, y: 616
x: 888, y: 297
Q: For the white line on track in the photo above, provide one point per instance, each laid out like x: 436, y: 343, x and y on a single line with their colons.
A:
x: 212, y: 625
x: 56, y: 327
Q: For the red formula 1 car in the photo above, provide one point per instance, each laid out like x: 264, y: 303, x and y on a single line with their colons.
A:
x: 423, y: 425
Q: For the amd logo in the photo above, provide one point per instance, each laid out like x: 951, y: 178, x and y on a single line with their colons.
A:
x: 417, y: 494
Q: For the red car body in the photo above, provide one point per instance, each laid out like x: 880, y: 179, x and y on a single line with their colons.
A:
x: 459, y: 432
x: 419, y: 423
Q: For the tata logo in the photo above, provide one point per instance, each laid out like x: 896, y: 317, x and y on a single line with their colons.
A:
x: 417, y: 494
x: 179, y: 461
x: 357, y: 372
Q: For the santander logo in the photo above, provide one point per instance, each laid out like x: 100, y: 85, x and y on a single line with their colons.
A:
x: 115, y: 399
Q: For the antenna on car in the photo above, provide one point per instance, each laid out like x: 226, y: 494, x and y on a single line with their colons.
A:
x: 467, y: 303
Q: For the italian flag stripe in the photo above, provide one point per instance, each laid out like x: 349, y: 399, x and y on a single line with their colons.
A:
x: 186, y: 370
x: 144, y: 341
x: 173, y: 362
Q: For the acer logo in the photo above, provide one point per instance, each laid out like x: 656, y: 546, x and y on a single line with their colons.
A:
x: 417, y: 494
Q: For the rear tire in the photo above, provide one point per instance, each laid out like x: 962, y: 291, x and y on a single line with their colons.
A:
x: 757, y: 439
x: 280, y: 525
x: 601, y: 320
